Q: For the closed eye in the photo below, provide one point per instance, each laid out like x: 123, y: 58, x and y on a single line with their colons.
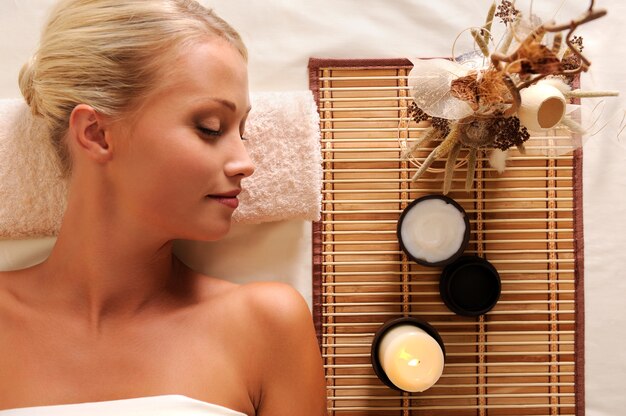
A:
x: 209, y: 132
x: 213, y: 133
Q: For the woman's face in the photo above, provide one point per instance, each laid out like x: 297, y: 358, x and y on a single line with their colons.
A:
x: 179, y: 163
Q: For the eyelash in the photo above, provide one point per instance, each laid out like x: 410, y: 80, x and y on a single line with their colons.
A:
x: 214, y: 133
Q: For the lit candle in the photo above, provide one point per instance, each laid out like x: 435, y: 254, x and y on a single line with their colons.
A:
x: 433, y: 230
x: 408, y: 355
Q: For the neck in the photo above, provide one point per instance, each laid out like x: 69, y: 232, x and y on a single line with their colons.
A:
x: 106, y: 266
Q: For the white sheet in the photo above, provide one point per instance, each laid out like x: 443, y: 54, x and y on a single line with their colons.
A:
x: 282, y: 35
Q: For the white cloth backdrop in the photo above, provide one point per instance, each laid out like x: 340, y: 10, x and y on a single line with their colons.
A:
x: 282, y: 35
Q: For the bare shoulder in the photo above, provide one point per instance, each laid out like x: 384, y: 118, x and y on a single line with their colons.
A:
x: 256, y: 309
x: 264, y: 331
x: 276, y: 305
x: 263, y: 311
x: 283, y: 324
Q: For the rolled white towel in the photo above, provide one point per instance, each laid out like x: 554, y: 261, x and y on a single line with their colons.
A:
x: 283, y: 133
x: 32, y: 193
x: 284, y: 143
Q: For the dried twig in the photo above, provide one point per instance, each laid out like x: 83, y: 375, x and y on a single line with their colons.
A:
x: 531, y: 42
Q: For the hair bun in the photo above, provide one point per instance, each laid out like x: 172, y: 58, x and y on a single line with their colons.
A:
x: 27, y: 84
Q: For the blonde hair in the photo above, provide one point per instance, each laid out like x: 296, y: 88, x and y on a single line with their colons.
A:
x: 108, y: 54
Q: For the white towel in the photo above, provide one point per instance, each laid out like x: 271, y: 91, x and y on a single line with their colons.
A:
x: 32, y: 194
x: 163, y: 405
x: 284, y: 143
x: 283, y: 133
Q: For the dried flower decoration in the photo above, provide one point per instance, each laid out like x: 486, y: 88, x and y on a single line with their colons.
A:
x: 417, y: 113
x: 508, y: 132
x: 493, y: 107
x: 507, y: 12
x: 578, y: 42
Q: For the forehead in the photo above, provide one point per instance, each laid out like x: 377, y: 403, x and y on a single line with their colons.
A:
x: 211, y: 68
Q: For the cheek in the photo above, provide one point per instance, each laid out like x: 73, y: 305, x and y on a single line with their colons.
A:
x: 190, y: 165
x: 165, y: 166
x: 176, y: 152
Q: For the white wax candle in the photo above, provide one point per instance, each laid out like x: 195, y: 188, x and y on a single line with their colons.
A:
x: 433, y: 230
x: 412, y: 359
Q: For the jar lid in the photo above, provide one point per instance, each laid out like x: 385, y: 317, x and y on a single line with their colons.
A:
x: 449, y: 214
x: 470, y: 286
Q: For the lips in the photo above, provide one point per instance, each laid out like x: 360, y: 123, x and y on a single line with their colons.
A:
x: 228, y: 199
x: 230, y: 194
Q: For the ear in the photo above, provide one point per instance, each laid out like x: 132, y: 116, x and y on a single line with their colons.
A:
x: 87, y: 131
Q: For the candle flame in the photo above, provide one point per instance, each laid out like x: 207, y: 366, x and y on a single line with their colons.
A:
x: 406, y: 356
x: 414, y: 362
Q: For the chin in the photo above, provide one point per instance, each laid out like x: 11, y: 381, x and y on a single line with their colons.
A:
x: 210, y: 232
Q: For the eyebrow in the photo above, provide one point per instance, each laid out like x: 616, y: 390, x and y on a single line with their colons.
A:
x: 232, y: 106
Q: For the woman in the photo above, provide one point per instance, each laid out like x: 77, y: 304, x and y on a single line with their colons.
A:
x: 146, y: 102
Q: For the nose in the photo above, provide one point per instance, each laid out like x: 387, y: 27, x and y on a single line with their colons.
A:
x: 240, y: 163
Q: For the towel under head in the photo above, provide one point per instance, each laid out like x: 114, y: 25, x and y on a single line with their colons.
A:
x: 32, y: 193
x: 283, y: 133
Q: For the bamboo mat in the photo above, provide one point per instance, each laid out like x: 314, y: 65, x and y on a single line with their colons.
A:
x: 525, y: 357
